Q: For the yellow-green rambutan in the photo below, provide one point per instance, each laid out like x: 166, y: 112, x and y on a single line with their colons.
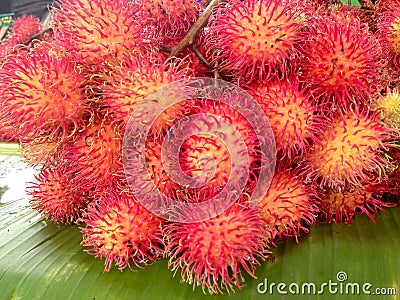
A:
x: 388, y: 106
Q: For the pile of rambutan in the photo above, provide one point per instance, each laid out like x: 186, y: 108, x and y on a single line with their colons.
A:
x: 324, y: 75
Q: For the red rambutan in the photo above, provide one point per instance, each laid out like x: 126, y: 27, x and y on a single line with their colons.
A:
x: 224, y: 116
x: 156, y: 170
x: 23, y: 28
x: 254, y: 39
x: 93, y: 155
x: 213, y: 252
x: 289, y: 206
x: 389, y: 29
x: 341, y: 207
x: 40, y: 150
x: 97, y: 30
x: 208, y: 157
x: 169, y: 18
x: 41, y: 94
x: 121, y: 230
x: 351, y: 151
x: 54, y: 196
x: 291, y: 112
x: 342, y: 60
x: 131, y: 82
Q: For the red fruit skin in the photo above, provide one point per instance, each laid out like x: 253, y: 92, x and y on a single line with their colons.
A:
x: 205, y: 158
x: 98, y: 30
x: 291, y: 111
x: 93, y: 155
x: 54, y: 195
x: 289, y: 207
x: 6, y: 134
x: 341, y: 207
x: 210, y: 158
x: 121, y: 231
x: 136, y: 78
x: 41, y: 95
x: 157, y: 170
x: 214, y: 252
x: 22, y: 29
x: 168, y: 20
x: 388, y: 14
x: 254, y: 39
x: 389, y: 187
x: 353, y: 150
x: 341, y: 59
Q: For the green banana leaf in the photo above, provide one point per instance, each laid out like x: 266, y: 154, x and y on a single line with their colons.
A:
x: 40, y: 260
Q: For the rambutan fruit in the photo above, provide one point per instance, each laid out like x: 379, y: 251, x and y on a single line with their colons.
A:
x: 350, y: 13
x: 342, y: 206
x: 135, y: 79
x: 41, y: 93
x: 254, y: 39
x: 199, y: 157
x: 212, y: 253
x: 351, y: 151
x: 223, y: 115
x: 92, y: 155
x: 97, y: 30
x: 120, y: 230
x: 191, y: 61
x: 389, y: 29
x: 388, y: 106
x: 53, y: 195
x: 6, y: 133
x: 205, y: 159
x: 234, y: 117
x: 342, y: 60
x: 291, y: 111
x: 157, y: 171
x: 208, y: 157
x: 40, y: 150
x: 23, y: 28
x: 289, y: 205
x: 169, y: 18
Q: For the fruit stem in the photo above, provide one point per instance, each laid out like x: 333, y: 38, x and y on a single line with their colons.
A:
x: 196, y: 27
x: 36, y: 35
x: 200, y: 55
x: 9, y: 148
